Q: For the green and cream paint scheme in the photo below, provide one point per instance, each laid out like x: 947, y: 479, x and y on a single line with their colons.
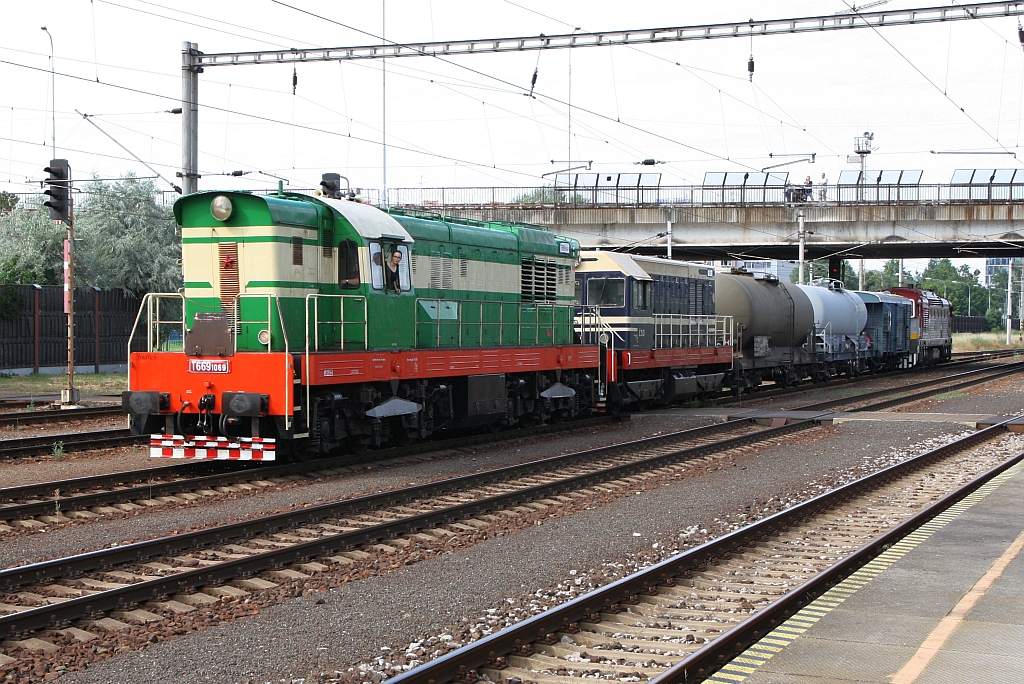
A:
x: 379, y: 280
x: 314, y: 322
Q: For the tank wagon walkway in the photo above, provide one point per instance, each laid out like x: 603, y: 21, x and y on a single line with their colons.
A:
x: 944, y: 605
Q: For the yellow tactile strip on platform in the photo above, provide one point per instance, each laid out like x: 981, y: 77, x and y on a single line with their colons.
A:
x: 747, y: 662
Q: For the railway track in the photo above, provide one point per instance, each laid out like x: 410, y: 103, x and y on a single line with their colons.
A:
x: 9, y: 416
x: 920, y: 390
x: 69, y: 442
x: 172, y: 566
x: 177, y: 574
x: 772, y: 392
x: 57, y: 415
x: 686, y: 618
x: 49, y: 503
x: 85, y: 441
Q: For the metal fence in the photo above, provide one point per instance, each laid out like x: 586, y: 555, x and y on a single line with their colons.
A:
x: 702, y: 195
x: 558, y: 197
x: 38, y: 336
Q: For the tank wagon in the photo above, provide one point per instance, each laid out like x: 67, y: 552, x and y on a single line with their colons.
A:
x: 788, y: 333
x: 308, y: 324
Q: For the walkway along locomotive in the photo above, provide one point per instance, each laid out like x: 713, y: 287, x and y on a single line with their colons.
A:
x: 309, y: 323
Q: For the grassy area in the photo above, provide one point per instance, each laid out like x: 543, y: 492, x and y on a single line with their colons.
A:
x: 985, y: 341
x: 87, y: 383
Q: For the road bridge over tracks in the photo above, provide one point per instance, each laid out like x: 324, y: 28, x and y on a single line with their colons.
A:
x: 711, y: 222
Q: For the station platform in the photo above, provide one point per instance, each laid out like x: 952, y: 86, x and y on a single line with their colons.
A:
x: 945, y: 605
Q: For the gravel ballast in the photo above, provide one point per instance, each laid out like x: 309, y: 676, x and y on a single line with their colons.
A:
x: 88, y: 535
x: 331, y: 631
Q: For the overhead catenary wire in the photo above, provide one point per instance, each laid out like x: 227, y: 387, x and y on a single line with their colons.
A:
x: 268, y: 119
x: 137, y: 158
x: 691, y: 69
x: 618, y: 118
x: 291, y: 41
x: 95, y: 53
x: 509, y: 83
x: 1002, y: 87
x: 933, y: 84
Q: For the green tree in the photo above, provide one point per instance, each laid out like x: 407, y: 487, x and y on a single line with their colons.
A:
x: 128, y: 241
x: 28, y: 234
x: 959, y: 285
x: 997, y: 289
x: 7, y: 201
x: 12, y: 301
x: 123, y: 239
x: 549, y: 195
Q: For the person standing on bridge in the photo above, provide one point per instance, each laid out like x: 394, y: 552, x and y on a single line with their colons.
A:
x: 823, y: 188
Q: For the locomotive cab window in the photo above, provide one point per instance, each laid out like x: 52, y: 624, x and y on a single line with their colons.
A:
x: 348, y: 265
x: 389, y: 268
x: 642, y: 294
x: 376, y: 266
x: 609, y: 292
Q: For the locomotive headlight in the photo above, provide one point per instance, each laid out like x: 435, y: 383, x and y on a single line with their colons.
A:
x: 221, y: 208
x: 264, y: 337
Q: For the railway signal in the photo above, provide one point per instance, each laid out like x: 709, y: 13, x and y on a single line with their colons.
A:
x: 60, y: 205
x: 59, y: 191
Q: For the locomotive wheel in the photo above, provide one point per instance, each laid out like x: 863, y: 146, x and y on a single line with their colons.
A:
x: 354, y: 444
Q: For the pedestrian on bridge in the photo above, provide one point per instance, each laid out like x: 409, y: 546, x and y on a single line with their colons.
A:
x: 823, y: 188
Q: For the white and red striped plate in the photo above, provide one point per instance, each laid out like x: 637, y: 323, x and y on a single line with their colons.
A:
x: 201, y: 447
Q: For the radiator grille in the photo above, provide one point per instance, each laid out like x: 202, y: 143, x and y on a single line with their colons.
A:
x: 228, y: 257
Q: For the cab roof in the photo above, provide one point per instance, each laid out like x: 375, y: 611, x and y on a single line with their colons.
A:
x: 598, y: 261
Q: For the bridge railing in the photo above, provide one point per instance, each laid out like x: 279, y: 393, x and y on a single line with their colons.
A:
x: 439, y: 199
x: 548, y: 197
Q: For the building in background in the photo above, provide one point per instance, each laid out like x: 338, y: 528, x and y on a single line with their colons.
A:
x: 993, y: 266
x: 779, y: 269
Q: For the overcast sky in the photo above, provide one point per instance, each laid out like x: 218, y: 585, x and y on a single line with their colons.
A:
x: 467, y: 122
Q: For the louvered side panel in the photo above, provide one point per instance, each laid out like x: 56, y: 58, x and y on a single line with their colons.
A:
x: 435, y: 271
x: 526, y: 286
x: 446, y: 273
x: 228, y: 258
x: 550, y: 282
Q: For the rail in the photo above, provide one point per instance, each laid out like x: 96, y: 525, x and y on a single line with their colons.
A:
x: 675, y: 331
x: 444, y: 323
x: 493, y: 650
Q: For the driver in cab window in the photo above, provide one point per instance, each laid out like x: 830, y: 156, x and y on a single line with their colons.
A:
x: 391, y: 280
